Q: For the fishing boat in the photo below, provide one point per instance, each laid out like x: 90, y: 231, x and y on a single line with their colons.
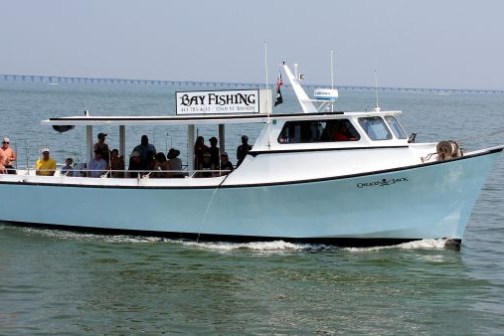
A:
x: 315, y: 176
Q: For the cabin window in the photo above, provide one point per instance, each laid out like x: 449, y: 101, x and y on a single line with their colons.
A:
x: 318, y: 131
x: 395, y: 127
x: 375, y: 128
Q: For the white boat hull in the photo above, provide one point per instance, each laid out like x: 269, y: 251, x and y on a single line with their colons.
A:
x: 424, y: 201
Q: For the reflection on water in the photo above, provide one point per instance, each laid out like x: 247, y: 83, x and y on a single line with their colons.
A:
x: 124, y: 284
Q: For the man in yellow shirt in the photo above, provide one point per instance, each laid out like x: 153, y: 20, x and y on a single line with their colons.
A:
x: 45, y: 166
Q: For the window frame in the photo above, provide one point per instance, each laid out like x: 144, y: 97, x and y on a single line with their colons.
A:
x: 372, y: 133
x: 322, y: 129
x: 396, y: 127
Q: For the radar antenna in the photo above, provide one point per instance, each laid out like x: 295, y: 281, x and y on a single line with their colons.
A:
x: 377, y: 108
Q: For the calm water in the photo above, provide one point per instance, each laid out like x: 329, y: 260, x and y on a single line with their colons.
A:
x: 58, y: 283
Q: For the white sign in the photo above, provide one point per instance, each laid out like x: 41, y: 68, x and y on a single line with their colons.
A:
x: 218, y: 102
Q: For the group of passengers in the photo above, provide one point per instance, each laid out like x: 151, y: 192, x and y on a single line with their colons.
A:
x: 144, y: 160
x: 210, y: 162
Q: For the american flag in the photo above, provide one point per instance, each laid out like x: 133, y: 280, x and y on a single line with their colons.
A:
x: 279, y: 83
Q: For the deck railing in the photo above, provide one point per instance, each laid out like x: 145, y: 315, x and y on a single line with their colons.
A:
x: 139, y: 174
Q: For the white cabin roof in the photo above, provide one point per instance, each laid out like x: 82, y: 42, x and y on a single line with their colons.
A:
x: 90, y: 120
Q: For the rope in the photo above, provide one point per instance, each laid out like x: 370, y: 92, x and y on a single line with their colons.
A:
x: 479, y: 136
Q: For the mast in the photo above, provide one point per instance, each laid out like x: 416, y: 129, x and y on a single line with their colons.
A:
x: 304, y: 100
x: 267, y: 88
x: 332, y: 78
x: 332, y: 70
x: 377, y: 108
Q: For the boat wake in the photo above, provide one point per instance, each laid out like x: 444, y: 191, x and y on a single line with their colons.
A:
x: 424, y: 244
x: 278, y: 246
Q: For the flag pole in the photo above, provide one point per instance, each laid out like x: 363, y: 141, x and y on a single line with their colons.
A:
x: 268, y: 103
x: 332, y: 77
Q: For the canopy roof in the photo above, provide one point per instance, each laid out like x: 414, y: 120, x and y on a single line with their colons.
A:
x: 89, y: 120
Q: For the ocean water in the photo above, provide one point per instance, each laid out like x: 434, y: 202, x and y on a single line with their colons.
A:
x: 61, y: 283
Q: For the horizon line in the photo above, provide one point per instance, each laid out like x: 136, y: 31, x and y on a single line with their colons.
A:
x: 111, y: 80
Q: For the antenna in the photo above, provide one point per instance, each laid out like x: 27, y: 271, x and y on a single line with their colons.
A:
x: 267, y: 88
x: 266, y: 64
x: 332, y: 70
x: 332, y: 77
x: 377, y: 108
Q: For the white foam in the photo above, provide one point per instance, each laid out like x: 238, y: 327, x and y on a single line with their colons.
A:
x: 266, y: 247
x: 69, y: 235
x: 424, y: 244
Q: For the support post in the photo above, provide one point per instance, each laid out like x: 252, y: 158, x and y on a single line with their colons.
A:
x: 222, y: 137
x: 89, y: 142
x: 190, y: 148
x: 122, y: 140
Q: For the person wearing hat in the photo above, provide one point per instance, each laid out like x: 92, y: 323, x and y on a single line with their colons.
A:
x: 45, y: 166
x: 242, y: 150
x: 135, y: 164
x: 7, y: 155
x: 102, y: 146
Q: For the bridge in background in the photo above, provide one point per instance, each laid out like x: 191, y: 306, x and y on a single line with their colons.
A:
x: 54, y: 80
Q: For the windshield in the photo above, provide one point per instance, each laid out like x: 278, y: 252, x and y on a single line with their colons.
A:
x: 395, y: 127
x: 375, y: 128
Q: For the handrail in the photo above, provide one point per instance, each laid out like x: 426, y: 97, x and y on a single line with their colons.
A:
x: 200, y: 173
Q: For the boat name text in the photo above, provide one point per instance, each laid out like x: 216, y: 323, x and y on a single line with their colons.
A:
x: 215, y: 99
x: 382, y: 182
x: 220, y: 101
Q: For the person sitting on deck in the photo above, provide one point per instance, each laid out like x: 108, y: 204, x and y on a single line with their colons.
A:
x: 97, y: 166
x: 163, y: 166
x: 152, y: 165
x: 135, y: 164
x: 206, y: 166
x: 343, y: 133
x: 67, y: 169
x: 45, y: 166
x: 116, y: 164
x: 175, y: 162
x: 226, y: 166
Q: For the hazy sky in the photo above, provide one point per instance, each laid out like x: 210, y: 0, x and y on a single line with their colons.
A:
x: 428, y: 43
